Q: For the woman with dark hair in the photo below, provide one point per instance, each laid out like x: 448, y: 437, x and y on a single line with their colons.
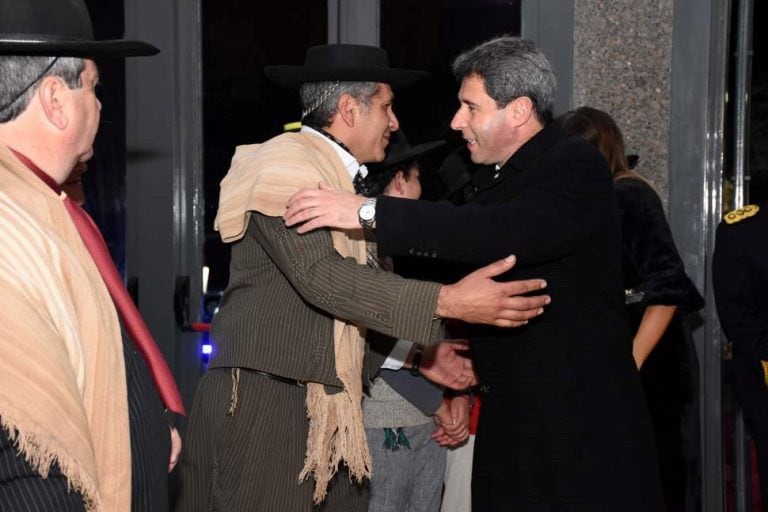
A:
x: 658, y: 293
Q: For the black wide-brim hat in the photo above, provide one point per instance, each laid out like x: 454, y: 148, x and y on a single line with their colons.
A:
x: 58, y: 28
x: 399, y: 151
x: 345, y: 63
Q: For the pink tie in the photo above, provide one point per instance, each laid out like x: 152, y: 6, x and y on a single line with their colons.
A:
x: 134, y: 324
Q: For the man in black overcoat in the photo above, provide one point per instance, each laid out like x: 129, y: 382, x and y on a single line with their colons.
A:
x: 564, y: 425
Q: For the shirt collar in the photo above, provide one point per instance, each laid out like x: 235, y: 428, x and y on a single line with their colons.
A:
x: 349, y: 161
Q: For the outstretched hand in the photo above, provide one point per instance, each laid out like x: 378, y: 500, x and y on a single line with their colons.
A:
x: 478, y: 299
x: 447, y: 363
x: 323, y: 207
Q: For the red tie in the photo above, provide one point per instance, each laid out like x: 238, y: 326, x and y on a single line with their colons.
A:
x: 134, y: 324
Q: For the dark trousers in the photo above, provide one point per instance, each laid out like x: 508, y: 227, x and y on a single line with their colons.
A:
x: 249, y: 459
x: 150, y: 437
x: 752, y: 395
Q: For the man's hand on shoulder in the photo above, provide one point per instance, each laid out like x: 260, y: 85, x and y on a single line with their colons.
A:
x: 478, y: 299
x: 323, y: 207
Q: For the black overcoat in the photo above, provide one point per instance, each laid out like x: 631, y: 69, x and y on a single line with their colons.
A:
x: 564, y: 425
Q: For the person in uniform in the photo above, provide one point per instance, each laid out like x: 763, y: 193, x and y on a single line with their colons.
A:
x: 740, y: 281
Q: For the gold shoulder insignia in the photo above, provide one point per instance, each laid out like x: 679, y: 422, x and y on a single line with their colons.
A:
x: 765, y: 371
x: 740, y: 214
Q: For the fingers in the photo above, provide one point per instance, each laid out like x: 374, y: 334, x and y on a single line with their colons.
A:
x: 523, y: 308
x: 310, y: 226
x: 302, y: 202
x: 516, y: 311
x: 298, y: 207
x: 461, y: 382
x: 301, y: 196
x: 523, y: 287
x: 175, y: 448
x: 444, y: 439
x: 498, y: 267
x: 448, y: 440
x: 297, y: 216
x: 456, y: 344
x: 454, y: 429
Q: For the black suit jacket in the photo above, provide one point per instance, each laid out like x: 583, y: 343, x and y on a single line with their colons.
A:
x: 564, y: 425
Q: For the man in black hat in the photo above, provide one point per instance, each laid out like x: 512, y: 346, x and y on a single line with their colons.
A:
x: 278, y: 414
x: 83, y: 425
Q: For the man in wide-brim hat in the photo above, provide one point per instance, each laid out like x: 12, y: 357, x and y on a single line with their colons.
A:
x: 402, y: 165
x: 83, y: 426
x: 278, y: 414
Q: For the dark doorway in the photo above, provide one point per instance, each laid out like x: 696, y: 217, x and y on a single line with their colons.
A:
x: 429, y: 35
x: 104, y: 182
x: 240, y: 106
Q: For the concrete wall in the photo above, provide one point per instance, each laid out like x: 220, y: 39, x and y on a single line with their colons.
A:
x: 622, y: 56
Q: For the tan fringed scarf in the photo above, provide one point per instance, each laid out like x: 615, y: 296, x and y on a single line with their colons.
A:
x: 262, y: 178
x: 62, y: 375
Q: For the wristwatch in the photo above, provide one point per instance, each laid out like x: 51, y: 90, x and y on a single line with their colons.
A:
x: 366, y: 215
x: 415, y: 368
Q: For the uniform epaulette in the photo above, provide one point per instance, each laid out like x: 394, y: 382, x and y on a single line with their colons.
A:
x: 740, y: 214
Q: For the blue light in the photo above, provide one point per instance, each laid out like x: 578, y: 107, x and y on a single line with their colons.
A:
x: 206, y: 349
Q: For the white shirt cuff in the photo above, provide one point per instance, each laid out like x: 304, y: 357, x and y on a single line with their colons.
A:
x: 396, y: 358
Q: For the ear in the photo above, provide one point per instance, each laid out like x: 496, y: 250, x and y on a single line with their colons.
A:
x: 520, y: 110
x: 52, y: 96
x: 398, y: 183
x: 347, y: 109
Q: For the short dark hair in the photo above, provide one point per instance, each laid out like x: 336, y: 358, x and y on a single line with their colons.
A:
x: 18, y: 73
x: 511, y: 67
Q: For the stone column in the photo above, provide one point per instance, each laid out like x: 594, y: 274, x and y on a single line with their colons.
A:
x: 622, y: 57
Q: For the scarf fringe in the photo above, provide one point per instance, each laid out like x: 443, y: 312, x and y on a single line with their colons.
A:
x: 42, y: 453
x: 336, y: 432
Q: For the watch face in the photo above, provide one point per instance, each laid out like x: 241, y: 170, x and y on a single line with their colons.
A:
x: 367, y: 212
